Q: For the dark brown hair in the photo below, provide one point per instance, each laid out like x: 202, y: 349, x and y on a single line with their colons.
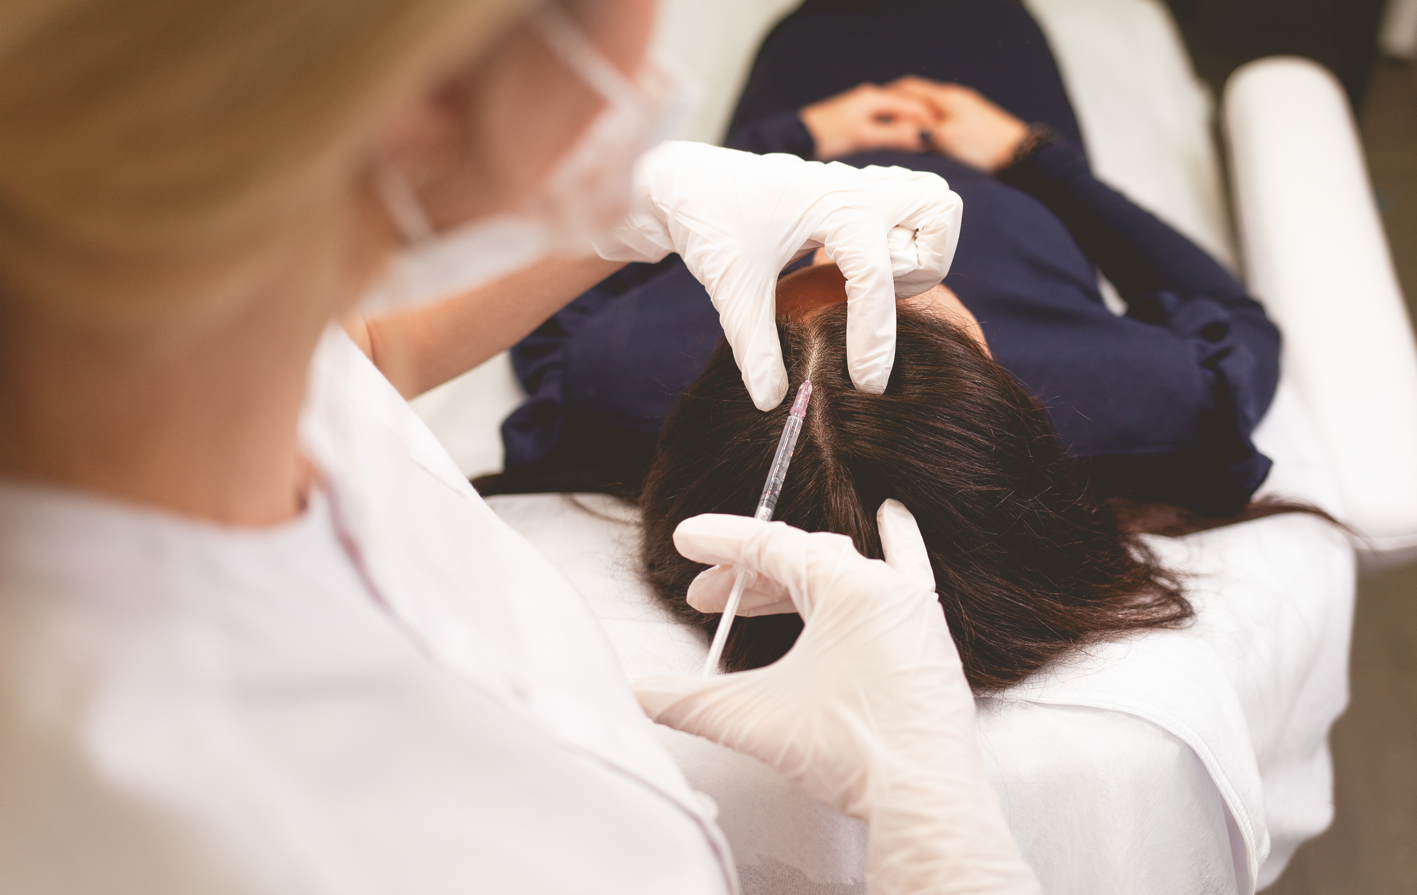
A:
x: 1029, y: 560
x: 1029, y: 563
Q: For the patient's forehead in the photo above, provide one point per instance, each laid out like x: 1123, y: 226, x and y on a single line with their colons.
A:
x: 820, y: 286
x: 810, y: 290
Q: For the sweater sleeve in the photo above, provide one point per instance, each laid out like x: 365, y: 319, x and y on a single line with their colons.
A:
x: 1170, y: 282
x: 783, y: 132
x: 1134, y: 249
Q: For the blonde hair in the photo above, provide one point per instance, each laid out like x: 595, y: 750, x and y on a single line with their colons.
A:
x: 150, y: 147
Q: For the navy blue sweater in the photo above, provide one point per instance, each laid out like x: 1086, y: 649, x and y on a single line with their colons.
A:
x: 1157, y: 405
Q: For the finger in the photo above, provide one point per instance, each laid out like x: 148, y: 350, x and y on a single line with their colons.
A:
x: 912, y: 84
x: 786, y: 556
x: 934, y: 222
x: 936, y: 238
x: 948, y: 101
x: 709, y: 593
x: 905, y: 107
x: 917, y: 81
x: 749, y: 324
x: 865, y: 260
x: 902, y: 133
x: 902, y: 543
x: 919, y: 89
x: 905, y: 258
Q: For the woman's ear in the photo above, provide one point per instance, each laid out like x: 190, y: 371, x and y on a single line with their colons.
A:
x: 431, y: 141
x: 414, y: 127
x: 482, y: 132
x: 486, y: 130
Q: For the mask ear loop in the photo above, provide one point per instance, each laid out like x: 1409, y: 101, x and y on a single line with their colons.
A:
x: 570, y: 44
x: 406, y: 214
x: 401, y: 204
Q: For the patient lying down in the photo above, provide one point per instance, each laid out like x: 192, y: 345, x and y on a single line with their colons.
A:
x: 1033, y: 462
x: 1029, y: 562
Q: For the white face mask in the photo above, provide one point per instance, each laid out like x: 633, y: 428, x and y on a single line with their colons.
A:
x: 586, y: 192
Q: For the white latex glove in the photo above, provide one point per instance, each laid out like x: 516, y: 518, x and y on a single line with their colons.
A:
x: 737, y: 219
x: 869, y: 711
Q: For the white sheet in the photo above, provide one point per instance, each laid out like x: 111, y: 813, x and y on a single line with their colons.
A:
x: 1193, y: 755
x: 1316, y: 255
x: 1178, y: 762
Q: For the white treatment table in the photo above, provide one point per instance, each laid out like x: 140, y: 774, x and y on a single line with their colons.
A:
x: 1190, y: 761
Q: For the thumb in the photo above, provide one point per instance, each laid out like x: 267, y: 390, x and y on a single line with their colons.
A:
x: 718, y: 708
x: 749, y: 319
x: 903, y: 544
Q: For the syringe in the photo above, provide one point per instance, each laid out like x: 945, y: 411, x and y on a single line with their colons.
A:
x: 766, y: 504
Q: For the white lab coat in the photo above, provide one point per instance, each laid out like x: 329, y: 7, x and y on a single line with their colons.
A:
x: 394, y: 693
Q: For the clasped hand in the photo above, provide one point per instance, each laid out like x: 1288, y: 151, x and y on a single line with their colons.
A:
x: 914, y: 114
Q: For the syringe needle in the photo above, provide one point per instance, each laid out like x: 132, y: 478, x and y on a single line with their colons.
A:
x: 767, y: 503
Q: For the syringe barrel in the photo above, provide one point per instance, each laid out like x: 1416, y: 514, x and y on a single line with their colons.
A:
x: 777, y: 473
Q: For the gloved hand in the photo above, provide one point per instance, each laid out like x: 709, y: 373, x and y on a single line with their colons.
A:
x: 869, y: 711
x: 737, y: 219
